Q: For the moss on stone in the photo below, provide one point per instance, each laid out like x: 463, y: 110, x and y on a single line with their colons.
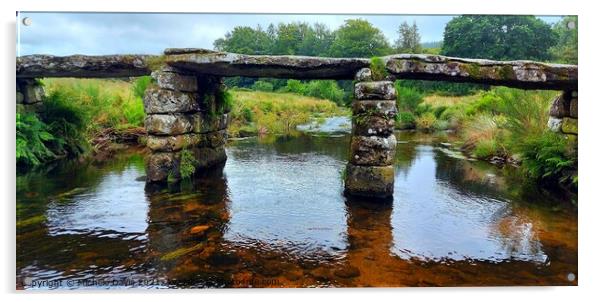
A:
x: 155, y: 62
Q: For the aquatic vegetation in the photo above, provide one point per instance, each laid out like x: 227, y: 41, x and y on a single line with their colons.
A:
x: 182, y: 251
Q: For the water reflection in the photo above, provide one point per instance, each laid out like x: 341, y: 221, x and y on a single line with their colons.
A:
x: 274, y: 215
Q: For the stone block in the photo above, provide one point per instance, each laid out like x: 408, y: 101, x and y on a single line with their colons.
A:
x: 168, y: 124
x: 208, y: 156
x: 573, y: 108
x: 559, y: 107
x: 569, y: 125
x: 554, y: 123
x: 364, y: 74
x: 20, y: 97
x: 383, y: 108
x: 373, y: 150
x: 32, y: 94
x: 373, y: 125
x: 369, y: 181
x: 172, y: 143
x: 175, y: 81
x: 158, y: 100
x: 204, y: 122
x: 160, y: 165
x: 379, y: 90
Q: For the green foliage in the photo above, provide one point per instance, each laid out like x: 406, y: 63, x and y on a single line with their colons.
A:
x: 442, y: 88
x: 565, y: 50
x: 188, y: 163
x: 263, y: 86
x: 426, y: 122
x: 486, y: 148
x: 546, y: 158
x: 406, y: 120
x: 140, y: 84
x: 324, y: 89
x: 498, y: 37
x: 359, y: 38
x: 33, y: 138
x: 377, y: 66
x: 408, y: 98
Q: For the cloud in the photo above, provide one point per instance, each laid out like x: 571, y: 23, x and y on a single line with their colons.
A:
x: 151, y: 33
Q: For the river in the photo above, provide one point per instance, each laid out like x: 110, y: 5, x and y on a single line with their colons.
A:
x: 275, y: 216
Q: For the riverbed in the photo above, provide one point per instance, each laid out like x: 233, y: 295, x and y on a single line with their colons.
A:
x: 274, y: 215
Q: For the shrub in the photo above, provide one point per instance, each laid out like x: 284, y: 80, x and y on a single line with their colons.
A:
x: 188, y: 163
x: 439, y: 110
x: 406, y: 120
x: 408, y: 98
x: 33, y: 137
x: 263, y: 86
x: 295, y: 86
x: 140, y: 84
x: 426, y: 121
x: 546, y: 158
x: 377, y: 66
x: 485, y: 148
x: 326, y: 89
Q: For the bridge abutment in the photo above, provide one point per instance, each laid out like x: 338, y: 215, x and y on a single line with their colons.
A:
x: 370, y: 171
x: 187, y: 115
x: 563, y: 113
x: 30, y: 95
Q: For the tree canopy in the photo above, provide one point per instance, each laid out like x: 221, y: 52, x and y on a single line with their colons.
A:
x: 498, y: 38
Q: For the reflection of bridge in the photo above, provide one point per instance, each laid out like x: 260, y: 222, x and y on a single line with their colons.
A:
x: 187, y: 108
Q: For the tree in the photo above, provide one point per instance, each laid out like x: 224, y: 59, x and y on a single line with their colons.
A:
x: 565, y: 50
x: 245, y: 40
x: 498, y: 38
x: 359, y: 38
x: 409, y: 39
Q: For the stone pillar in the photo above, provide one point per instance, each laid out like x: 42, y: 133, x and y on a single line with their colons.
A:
x: 184, y: 112
x: 563, y: 113
x: 370, y: 170
x: 30, y: 94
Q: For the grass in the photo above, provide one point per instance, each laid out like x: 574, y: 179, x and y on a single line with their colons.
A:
x: 258, y: 112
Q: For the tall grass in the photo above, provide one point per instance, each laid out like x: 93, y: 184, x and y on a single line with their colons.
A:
x: 256, y: 112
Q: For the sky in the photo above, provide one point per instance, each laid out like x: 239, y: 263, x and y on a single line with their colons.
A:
x: 150, y: 33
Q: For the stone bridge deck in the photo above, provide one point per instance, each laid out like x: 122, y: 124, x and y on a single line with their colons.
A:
x: 518, y: 74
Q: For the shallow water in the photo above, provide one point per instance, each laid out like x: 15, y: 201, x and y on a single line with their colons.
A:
x: 274, y: 216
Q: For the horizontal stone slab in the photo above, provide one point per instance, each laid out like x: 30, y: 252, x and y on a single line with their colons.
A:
x: 369, y: 181
x: 175, y: 81
x: 172, y: 143
x: 290, y: 67
x: 80, y: 66
x: 369, y: 125
x: 378, y: 90
x: 168, y: 124
x: 383, y: 108
x: 372, y: 150
x: 158, y: 100
x: 518, y: 74
x: 179, y: 142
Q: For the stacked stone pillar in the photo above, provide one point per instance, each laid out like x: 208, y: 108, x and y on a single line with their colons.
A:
x: 563, y: 113
x: 185, y: 111
x: 30, y: 94
x: 370, y: 170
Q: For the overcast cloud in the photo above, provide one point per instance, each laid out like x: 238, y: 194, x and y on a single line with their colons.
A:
x: 151, y: 33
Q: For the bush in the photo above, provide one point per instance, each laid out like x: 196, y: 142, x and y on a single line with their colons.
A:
x: 140, y: 84
x: 263, y: 86
x: 377, y: 66
x: 188, y: 163
x: 326, y: 89
x: 426, y: 121
x: 406, y: 120
x: 547, y: 158
x: 408, y: 98
x: 485, y: 148
x: 33, y: 137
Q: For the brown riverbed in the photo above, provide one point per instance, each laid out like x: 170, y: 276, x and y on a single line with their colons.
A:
x: 274, y: 216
